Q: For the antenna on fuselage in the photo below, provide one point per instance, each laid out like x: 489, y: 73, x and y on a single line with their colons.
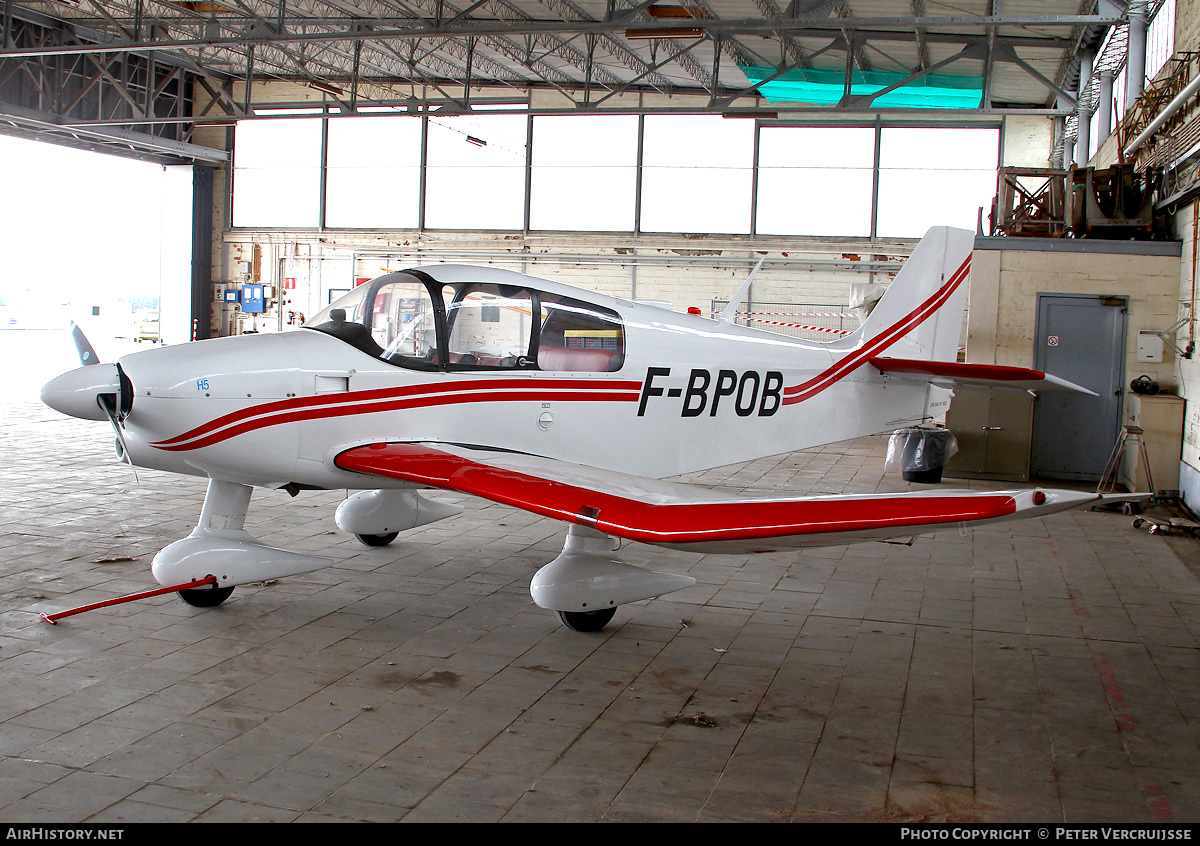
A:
x: 730, y: 311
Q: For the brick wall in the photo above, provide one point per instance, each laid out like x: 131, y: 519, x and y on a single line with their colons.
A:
x: 1005, y: 285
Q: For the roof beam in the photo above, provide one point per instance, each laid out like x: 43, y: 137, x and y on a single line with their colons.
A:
x: 267, y: 36
x: 971, y: 51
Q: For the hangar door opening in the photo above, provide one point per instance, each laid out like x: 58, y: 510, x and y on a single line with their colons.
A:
x: 1082, y: 339
x: 97, y: 239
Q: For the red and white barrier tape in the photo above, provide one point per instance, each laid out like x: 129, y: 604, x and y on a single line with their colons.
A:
x: 798, y: 314
x: 801, y: 326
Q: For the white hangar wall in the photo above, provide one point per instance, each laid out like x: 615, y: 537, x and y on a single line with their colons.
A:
x: 684, y: 271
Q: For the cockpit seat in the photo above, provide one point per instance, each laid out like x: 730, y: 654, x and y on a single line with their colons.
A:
x: 579, y: 361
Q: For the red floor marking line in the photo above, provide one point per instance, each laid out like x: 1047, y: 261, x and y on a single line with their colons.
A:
x: 1160, y: 808
x: 1108, y: 679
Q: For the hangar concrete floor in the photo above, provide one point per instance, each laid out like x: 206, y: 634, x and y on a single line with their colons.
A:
x: 1045, y: 670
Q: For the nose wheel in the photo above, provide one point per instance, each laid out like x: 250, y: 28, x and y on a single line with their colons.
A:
x: 586, y: 621
x: 377, y: 540
x: 205, y: 597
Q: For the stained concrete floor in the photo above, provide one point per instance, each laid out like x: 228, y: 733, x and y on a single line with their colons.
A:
x: 1045, y: 670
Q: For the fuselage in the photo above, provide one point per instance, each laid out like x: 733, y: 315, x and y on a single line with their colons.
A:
x: 509, y: 362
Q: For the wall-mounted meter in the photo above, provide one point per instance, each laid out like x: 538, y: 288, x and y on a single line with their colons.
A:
x: 1149, y: 347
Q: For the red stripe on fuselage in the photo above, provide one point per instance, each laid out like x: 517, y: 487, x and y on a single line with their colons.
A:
x: 878, y: 344
x: 389, y: 399
x: 680, y: 523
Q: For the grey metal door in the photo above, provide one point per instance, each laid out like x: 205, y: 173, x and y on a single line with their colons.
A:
x: 1080, y: 338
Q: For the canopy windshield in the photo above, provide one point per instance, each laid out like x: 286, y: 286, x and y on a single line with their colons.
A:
x: 415, y: 321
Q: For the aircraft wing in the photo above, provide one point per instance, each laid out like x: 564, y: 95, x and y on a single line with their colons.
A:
x: 949, y: 374
x: 687, y: 516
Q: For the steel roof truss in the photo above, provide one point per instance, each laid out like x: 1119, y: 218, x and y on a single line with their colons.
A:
x: 626, y: 87
x: 970, y: 51
x: 1006, y: 53
x: 266, y: 35
x: 616, y: 47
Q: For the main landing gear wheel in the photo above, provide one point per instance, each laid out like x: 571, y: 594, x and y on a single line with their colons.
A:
x: 586, y: 621
x: 205, y: 597
x: 378, y: 540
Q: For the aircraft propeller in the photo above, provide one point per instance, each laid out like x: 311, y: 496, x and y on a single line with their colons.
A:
x: 94, y: 391
x: 87, y: 355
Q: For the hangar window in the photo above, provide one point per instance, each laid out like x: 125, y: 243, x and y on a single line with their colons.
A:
x: 277, y: 170
x: 374, y: 172
x: 1160, y: 37
x: 697, y: 174
x: 584, y: 173
x: 815, y: 180
x: 934, y: 177
x: 475, y: 174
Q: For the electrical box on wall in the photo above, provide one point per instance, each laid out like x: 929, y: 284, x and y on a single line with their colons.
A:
x: 252, y: 299
x: 1149, y: 347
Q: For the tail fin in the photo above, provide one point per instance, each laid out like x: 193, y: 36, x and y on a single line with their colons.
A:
x: 920, y: 315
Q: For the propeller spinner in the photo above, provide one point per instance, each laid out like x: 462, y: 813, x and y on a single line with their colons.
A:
x: 93, y: 392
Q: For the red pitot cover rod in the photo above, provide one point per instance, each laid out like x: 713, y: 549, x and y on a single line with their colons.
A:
x: 53, y: 619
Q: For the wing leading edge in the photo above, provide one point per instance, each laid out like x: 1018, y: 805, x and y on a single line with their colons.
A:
x: 687, y: 517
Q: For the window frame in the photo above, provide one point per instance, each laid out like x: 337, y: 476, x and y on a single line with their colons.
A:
x: 445, y: 311
x: 462, y: 290
x: 641, y: 169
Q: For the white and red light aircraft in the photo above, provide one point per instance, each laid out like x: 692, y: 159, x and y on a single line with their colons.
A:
x: 557, y: 400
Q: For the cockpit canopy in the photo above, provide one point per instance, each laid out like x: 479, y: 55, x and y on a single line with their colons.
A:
x: 413, y: 320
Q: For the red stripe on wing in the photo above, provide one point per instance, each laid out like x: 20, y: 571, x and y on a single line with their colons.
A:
x: 679, y: 523
x: 957, y: 370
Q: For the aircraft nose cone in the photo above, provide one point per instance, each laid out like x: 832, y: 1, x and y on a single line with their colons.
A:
x: 75, y: 392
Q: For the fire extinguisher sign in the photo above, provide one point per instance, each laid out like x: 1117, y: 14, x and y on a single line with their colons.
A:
x: 289, y: 283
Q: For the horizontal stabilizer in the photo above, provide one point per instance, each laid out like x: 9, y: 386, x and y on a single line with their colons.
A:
x: 950, y: 374
x: 686, y: 516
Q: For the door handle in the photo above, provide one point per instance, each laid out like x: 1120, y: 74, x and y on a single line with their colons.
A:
x: 992, y: 428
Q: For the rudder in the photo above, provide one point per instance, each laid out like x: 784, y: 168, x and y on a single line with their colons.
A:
x: 920, y: 315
